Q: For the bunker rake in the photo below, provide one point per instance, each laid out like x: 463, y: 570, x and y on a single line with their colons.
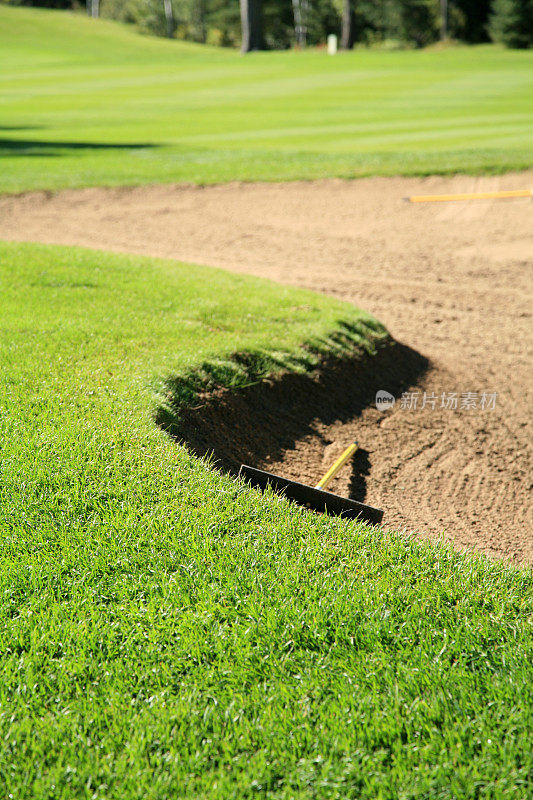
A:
x: 314, y: 497
x: 443, y: 198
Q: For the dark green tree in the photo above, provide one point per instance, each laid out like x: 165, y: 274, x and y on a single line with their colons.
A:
x: 468, y: 20
x: 45, y: 3
x: 418, y: 21
x: 511, y: 23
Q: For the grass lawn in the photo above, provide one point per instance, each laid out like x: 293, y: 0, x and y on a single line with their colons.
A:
x: 166, y: 632
x: 86, y: 102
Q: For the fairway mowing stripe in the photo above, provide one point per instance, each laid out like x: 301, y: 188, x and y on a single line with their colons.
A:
x: 436, y: 198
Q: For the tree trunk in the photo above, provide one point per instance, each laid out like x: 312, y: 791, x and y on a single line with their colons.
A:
x: 300, y: 9
x: 347, y: 25
x: 252, y: 26
x: 169, y: 16
x: 443, y: 19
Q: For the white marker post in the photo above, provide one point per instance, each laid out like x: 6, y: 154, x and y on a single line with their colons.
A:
x: 332, y: 45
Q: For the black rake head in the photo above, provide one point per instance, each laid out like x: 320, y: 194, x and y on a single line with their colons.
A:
x: 308, y: 496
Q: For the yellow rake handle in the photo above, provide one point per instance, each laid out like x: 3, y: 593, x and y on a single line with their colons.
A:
x: 332, y: 471
x: 435, y: 198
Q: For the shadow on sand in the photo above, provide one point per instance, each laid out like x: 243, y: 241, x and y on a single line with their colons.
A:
x: 259, y: 424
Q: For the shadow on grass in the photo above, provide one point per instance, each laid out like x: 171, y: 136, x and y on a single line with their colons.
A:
x: 32, y: 147
x: 21, y: 127
x: 259, y: 423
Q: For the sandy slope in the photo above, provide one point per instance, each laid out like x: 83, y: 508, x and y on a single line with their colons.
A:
x: 452, y: 281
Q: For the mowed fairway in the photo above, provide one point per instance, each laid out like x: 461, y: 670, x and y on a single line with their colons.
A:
x: 85, y: 103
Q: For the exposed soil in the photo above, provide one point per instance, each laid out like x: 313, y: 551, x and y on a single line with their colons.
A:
x: 451, y: 281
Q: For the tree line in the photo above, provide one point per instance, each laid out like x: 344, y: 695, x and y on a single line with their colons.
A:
x: 280, y: 24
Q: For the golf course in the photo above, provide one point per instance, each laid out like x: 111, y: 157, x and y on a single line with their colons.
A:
x: 207, y: 259
x: 86, y: 106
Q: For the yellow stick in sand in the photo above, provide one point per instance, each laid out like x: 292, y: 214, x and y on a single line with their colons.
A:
x: 436, y: 198
x: 332, y: 471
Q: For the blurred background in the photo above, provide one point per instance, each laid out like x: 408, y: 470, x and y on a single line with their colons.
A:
x: 280, y: 24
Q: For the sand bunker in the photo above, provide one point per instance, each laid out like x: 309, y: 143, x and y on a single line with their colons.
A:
x: 452, y: 282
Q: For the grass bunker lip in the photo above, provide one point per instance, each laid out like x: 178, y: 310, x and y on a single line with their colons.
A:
x: 262, y: 423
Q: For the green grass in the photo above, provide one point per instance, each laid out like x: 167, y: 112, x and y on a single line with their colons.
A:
x: 168, y: 633
x: 88, y: 103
